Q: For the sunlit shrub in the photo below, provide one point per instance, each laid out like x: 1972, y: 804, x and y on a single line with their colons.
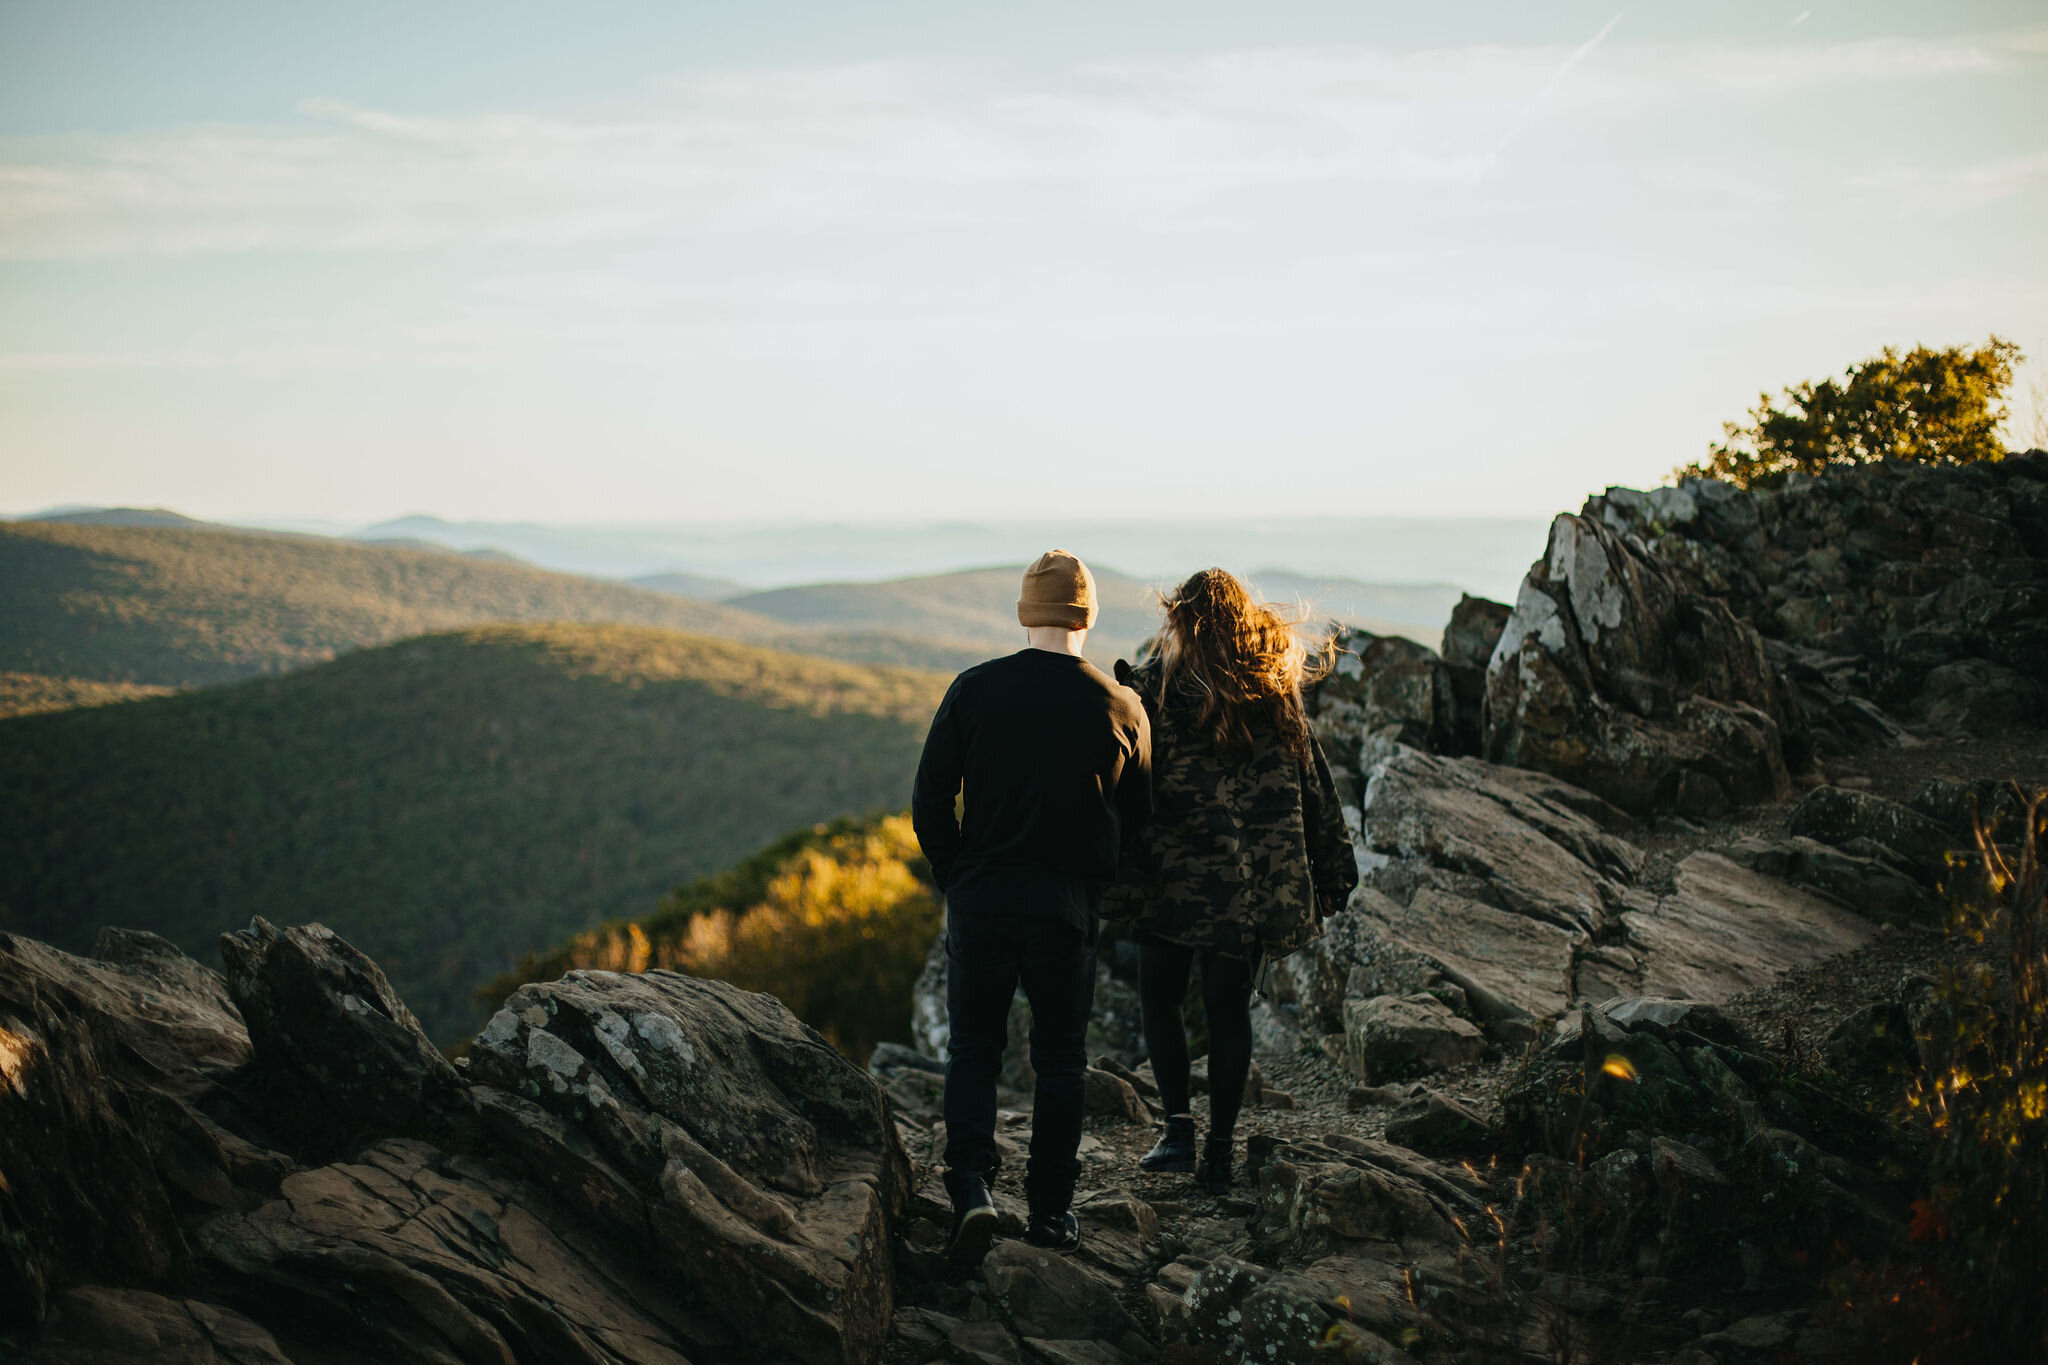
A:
x: 1975, y: 1290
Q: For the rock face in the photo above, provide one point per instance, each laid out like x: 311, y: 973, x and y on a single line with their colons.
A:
x: 1617, y: 674
x: 754, y: 1158
x: 1509, y: 895
x: 1390, y: 687
x: 643, y: 1169
x: 1677, y: 650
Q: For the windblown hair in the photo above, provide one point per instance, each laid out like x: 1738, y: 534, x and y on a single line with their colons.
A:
x: 1237, y: 659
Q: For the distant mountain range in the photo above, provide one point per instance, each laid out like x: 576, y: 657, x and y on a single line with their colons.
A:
x: 448, y: 803
x: 978, y: 607
x: 1487, y: 556
x: 183, y: 606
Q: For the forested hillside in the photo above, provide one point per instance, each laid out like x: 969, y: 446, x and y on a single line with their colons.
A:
x: 450, y: 802
x: 188, y: 607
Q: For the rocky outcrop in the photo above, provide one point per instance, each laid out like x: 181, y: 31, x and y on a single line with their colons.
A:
x: 1389, y: 690
x: 1470, y: 637
x: 1618, y: 674
x: 1509, y: 896
x: 1680, y: 649
x: 631, y: 1169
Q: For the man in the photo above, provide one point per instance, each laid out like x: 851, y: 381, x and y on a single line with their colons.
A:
x: 1055, y: 761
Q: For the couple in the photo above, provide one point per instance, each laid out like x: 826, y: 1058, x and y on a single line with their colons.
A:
x: 1187, y: 797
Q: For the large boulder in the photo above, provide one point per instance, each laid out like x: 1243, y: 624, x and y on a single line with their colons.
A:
x: 1470, y: 637
x: 1545, y: 849
x: 104, y: 1066
x: 334, y: 1044
x: 1392, y: 1036
x: 1726, y: 929
x: 1384, y: 689
x: 763, y: 1163
x: 633, y: 1169
x: 1844, y: 816
x: 1617, y: 674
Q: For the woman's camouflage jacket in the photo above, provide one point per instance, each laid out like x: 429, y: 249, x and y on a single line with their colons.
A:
x: 1237, y: 856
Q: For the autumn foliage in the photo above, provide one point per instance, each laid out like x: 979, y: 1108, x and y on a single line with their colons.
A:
x: 834, y: 920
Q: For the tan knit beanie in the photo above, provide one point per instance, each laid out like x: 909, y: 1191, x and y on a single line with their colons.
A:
x: 1058, y: 591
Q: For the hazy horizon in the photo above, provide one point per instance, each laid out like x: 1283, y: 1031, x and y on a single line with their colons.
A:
x: 1482, y: 555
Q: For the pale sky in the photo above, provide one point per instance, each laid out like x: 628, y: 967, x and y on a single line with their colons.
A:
x: 663, y: 262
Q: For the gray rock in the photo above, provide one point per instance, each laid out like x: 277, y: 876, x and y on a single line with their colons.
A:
x: 1390, y: 1036
x: 560, y: 1231
x: 1389, y: 686
x: 1666, y: 1017
x: 98, y: 1153
x: 1955, y: 806
x: 1469, y: 639
x: 333, y: 1041
x: 1840, y: 815
x: 1975, y: 697
x: 985, y: 1343
x: 761, y: 1160
x: 1112, y: 1097
x: 97, y: 1325
x: 418, y: 1256
x: 1511, y: 968
x: 1440, y: 1126
x: 1050, y: 1296
x: 1617, y: 675
x: 1474, y: 631
x: 1872, y: 887
x: 1727, y: 929
x: 1315, y: 1198
x: 1528, y: 836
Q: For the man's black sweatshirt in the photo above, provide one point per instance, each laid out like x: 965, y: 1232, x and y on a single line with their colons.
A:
x: 1055, y: 759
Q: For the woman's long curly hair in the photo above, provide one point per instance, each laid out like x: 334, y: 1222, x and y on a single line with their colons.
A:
x: 1237, y: 659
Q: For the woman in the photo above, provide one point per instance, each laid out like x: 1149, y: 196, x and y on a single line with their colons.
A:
x: 1246, y: 851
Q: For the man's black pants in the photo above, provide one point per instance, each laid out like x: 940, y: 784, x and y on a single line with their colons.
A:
x: 987, y: 957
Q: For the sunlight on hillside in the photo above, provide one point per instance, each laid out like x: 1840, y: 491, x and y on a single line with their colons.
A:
x: 835, y: 921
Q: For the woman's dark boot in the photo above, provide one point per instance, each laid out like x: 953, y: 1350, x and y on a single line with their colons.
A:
x: 1212, y: 1172
x: 1175, y: 1150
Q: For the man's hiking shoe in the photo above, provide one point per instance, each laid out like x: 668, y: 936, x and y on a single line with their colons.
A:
x: 1054, y: 1232
x: 1175, y: 1150
x: 1212, y: 1172
x: 974, y: 1217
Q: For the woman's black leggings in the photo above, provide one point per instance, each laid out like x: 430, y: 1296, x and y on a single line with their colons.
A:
x: 1163, y: 970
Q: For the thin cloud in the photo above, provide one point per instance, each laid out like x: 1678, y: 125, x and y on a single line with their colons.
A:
x: 1166, y: 145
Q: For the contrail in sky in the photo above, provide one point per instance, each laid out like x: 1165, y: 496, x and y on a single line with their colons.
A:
x: 1542, y: 97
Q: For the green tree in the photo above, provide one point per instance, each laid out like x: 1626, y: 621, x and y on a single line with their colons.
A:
x: 1930, y: 406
